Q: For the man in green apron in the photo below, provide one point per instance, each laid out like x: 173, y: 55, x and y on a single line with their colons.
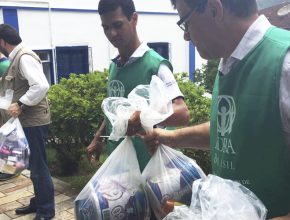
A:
x: 134, y: 64
x: 249, y: 130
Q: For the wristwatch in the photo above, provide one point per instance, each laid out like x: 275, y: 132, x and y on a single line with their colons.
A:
x: 20, y: 104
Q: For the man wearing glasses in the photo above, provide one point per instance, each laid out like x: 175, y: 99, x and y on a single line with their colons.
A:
x: 249, y: 130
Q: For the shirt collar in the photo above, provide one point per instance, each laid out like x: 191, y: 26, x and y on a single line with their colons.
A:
x: 15, y: 50
x: 139, y: 52
x: 252, y: 37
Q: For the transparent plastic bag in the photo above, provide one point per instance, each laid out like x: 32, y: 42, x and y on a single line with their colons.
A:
x: 5, y: 101
x: 118, y: 110
x: 116, y: 190
x: 159, y: 105
x: 169, y: 176
x: 215, y: 198
x: 151, y: 100
x: 14, y: 149
x: 182, y: 212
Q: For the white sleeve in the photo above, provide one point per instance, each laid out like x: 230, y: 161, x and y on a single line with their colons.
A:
x: 285, y: 96
x: 166, y: 75
x: 32, y: 71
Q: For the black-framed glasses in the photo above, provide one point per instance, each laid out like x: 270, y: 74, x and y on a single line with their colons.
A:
x: 182, y: 22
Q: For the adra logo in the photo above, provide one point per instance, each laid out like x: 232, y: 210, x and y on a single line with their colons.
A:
x: 116, y: 89
x: 224, y: 151
x: 226, y: 114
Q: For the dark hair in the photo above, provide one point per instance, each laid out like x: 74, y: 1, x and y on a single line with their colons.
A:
x: 239, y: 8
x: 9, y: 34
x: 199, y: 5
x: 127, y: 7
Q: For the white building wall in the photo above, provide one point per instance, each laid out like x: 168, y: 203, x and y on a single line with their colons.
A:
x: 34, y: 29
x: 49, y: 24
x: 1, y: 16
x: 165, y: 30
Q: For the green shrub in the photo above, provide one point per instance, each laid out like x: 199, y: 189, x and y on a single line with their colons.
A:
x: 199, y: 110
x: 76, y: 113
x: 206, y: 75
x: 197, y: 103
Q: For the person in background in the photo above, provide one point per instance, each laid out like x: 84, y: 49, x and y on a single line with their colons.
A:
x: 25, y: 76
x: 4, y: 64
x: 134, y: 65
x: 249, y: 129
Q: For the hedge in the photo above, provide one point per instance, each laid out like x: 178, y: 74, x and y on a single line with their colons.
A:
x: 76, y: 113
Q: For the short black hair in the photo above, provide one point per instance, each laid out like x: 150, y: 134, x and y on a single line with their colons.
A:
x: 127, y: 6
x: 199, y: 5
x: 239, y: 8
x: 9, y: 34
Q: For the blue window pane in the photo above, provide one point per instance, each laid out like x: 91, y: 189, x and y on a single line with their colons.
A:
x: 10, y: 17
x: 161, y: 48
x: 72, y: 60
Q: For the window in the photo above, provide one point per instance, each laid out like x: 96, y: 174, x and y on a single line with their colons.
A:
x: 161, y: 47
x: 72, y: 60
x: 47, y: 64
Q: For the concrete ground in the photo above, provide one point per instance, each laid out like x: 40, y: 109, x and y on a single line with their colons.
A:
x: 17, y: 192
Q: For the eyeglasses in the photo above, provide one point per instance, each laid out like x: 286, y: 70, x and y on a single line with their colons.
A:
x: 182, y: 23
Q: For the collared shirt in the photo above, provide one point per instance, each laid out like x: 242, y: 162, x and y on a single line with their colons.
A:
x: 32, y: 71
x: 251, y: 38
x: 164, y: 73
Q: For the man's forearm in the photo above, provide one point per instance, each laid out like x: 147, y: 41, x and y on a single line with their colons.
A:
x: 101, y: 130
x: 189, y: 137
x: 180, y: 116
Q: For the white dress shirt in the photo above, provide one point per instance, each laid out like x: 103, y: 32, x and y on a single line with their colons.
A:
x: 32, y: 71
x: 252, y: 37
x: 164, y: 73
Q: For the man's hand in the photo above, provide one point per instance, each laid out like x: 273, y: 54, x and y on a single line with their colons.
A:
x: 14, y: 110
x: 95, y: 148
x: 151, y: 139
x: 94, y: 151
x: 134, y: 124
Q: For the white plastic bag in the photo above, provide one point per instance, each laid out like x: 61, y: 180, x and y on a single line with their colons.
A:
x: 151, y: 100
x: 118, y: 110
x: 14, y: 149
x: 182, y: 212
x: 5, y: 101
x: 158, y: 106
x: 116, y: 191
x: 215, y: 198
x: 169, y: 176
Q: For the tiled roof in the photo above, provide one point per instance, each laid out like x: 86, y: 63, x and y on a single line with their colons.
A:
x: 272, y: 14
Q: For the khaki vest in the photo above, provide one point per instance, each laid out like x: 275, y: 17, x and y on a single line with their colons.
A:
x: 31, y: 116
